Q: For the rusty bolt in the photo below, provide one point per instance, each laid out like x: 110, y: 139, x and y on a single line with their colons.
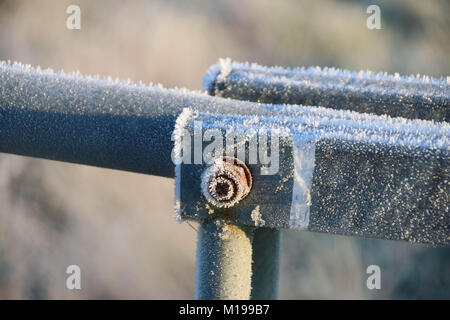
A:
x: 226, y: 182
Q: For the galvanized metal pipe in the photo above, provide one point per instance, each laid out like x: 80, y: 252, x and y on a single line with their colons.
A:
x: 398, y: 193
x: 266, y: 263
x: 224, y: 261
x: 94, y: 120
x: 411, y: 97
x: 87, y: 120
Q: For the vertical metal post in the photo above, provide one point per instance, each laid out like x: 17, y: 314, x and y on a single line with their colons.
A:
x: 235, y: 262
x: 225, y: 269
x: 266, y: 263
x: 224, y: 261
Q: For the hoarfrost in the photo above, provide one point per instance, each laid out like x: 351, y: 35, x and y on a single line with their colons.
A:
x: 413, y: 96
x: 257, y: 217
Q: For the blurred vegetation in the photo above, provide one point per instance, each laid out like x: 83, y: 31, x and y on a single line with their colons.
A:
x: 119, y: 226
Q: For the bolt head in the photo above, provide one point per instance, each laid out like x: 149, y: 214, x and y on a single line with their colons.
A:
x: 226, y: 182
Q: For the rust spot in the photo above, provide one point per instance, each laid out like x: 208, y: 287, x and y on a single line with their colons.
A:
x: 226, y: 182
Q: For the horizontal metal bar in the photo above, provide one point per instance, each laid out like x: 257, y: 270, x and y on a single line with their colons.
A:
x: 95, y: 121
x: 339, y: 172
x: 98, y: 121
x: 370, y: 187
x: 86, y: 120
x: 410, y: 97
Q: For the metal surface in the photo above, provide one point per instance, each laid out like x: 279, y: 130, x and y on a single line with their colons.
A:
x: 224, y: 260
x: 266, y: 263
x: 411, y: 97
x: 339, y: 171
x: 226, y: 182
x: 389, y: 183
x: 373, y: 176
x: 95, y: 121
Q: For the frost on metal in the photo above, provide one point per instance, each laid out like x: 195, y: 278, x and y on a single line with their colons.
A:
x: 413, y: 97
x: 177, y: 156
x: 89, y: 119
x: 257, y: 218
x: 223, y: 184
x: 341, y: 172
x: 372, y: 173
x: 217, y: 74
x: 381, y: 176
x: 224, y: 261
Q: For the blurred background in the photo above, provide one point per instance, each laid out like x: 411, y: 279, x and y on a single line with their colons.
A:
x: 119, y: 226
